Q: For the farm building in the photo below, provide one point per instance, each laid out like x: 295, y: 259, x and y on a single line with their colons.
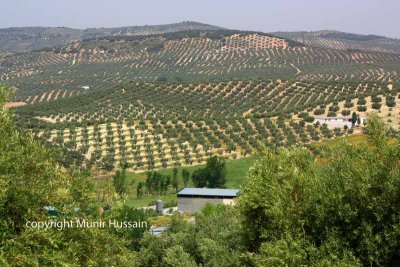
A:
x: 193, y: 199
x: 337, y: 122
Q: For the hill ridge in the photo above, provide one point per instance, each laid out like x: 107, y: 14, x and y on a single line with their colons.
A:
x: 26, y: 39
x: 343, y: 40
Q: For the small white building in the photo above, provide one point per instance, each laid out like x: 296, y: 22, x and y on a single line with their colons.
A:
x: 194, y: 199
x: 86, y: 87
x: 337, y: 122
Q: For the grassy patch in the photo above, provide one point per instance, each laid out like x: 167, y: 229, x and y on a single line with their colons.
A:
x: 160, y: 220
x: 133, y: 201
x: 236, y: 172
x: 353, y: 139
x: 236, y: 175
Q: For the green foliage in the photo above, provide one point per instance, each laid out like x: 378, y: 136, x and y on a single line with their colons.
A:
x: 309, y: 119
x: 346, y: 112
x: 200, y: 178
x: 185, y: 177
x: 361, y: 102
x: 139, y: 189
x: 175, y: 182
x: 361, y: 108
x: 131, y: 235
x: 119, y: 182
x: 341, y: 210
x: 214, y: 240
x: 213, y: 175
x: 158, y: 183
x: 348, y: 104
x: 31, y: 179
x: 319, y: 111
x: 176, y: 257
x: 390, y: 101
x: 332, y: 114
x: 25, y: 39
x: 354, y: 118
x: 173, y: 134
x: 376, y: 105
x: 156, y: 48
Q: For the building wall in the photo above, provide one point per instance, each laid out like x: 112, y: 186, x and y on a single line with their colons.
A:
x: 337, y: 122
x: 334, y: 123
x: 187, y: 204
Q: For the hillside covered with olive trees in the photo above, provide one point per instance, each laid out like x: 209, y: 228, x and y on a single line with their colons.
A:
x: 294, y: 133
x: 295, y: 208
x: 175, y: 98
x: 26, y: 39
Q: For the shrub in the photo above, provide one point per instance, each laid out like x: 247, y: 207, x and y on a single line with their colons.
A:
x: 361, y: 108
x: 348, y: 104
x: 390, y: 103
x: 331, y: 114
x: 376, y: 105
x: 317, y: 212
x: 309, y: 119
x: 319, y: 111
x: 376, y: 99
x: 346, y: 112
x: 361, y: 102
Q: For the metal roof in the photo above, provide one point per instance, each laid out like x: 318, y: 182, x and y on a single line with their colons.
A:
x: 208, y: 192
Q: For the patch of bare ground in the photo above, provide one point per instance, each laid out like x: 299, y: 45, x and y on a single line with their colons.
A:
x: 248, y: 112
x: 47, y: 119
x: 14, y: 104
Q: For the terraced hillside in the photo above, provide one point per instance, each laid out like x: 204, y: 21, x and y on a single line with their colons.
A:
x: 184, y: 56
x: 158, y: 125
x: 344, y: 41
x: 25, y: 39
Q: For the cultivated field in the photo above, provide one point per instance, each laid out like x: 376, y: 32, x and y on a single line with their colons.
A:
x: 175, y: 95
x: 160, y: 125
x: 344, y: 41
x: 185, y: 56
x: 26, y: 39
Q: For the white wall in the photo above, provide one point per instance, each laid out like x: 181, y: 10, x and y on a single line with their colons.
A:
x: 332, y: 123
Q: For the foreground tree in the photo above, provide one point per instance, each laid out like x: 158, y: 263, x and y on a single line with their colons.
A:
x: 31, y: 179
x: 214, y: 240
x: 343, y: 209
x: 131, y: 235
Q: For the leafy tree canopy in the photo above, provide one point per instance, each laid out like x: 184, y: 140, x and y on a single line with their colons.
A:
x: 213, y: 175
x: 340, y: 209
x: 30, y: 179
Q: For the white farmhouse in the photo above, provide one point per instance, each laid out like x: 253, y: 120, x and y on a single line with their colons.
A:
x: 337, y: 122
